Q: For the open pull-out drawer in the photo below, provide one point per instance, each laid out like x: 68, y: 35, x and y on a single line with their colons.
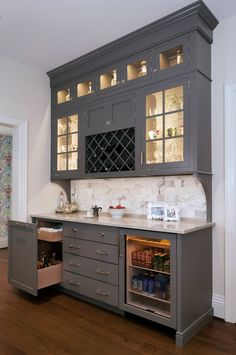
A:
x: 26, y: 270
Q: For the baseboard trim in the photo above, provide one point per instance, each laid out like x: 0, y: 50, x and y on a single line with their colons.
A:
x: 218, y: 304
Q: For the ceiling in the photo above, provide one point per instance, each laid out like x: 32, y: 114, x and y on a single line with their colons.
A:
x: 48, y: 33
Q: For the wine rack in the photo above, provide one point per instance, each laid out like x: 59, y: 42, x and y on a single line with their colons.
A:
x: 111, y: 151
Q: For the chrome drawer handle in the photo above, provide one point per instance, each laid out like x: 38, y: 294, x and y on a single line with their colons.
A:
x: 102, y: 252
x: 98, y: 271
x: 74, y: 246
x: 103, y: 293
x: 101, y: 234
x: 72, y: 282
x: 74, y: 264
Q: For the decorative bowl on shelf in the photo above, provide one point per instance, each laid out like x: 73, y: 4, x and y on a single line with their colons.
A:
x: 116, y: 212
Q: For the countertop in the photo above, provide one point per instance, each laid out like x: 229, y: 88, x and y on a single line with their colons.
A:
x: 132, y: 222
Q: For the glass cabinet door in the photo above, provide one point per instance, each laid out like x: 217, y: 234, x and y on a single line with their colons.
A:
x: 164, y: 122
x: 67, y: 143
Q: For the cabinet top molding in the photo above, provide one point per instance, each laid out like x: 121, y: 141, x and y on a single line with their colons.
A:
x: 195, y: 16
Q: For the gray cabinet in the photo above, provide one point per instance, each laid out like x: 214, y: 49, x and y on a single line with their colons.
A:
x: 90, y: 262
x: 165, y: 128
x: 176, y: 287
x: 66, y: 144
x: 105, y: 84
x: 25, y: 249
x: 163, y: 277
x: 110, y: 114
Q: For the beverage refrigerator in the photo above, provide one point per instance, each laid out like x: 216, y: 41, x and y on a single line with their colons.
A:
x: 148, y: 261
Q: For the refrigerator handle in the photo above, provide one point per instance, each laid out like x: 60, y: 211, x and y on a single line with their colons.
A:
x: 121, y: 244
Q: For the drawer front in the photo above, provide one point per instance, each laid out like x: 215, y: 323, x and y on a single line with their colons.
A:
x: 100, y: 234
x: 97, y: 290
x: 92, y: 268
x: 98, y: 251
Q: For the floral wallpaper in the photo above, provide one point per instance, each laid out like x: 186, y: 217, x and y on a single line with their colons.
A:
x: 5, y: 183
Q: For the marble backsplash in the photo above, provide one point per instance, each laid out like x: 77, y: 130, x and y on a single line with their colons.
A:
x: 135, y: 193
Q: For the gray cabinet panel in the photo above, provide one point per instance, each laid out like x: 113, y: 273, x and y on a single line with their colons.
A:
x: 103, y: 252
x: 96, y: 117
x: 97, y: 290
x: 22, y: 248
x: 91, y: 268
x: 101, y: 234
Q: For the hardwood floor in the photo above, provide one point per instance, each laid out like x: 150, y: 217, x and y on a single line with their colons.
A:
x: 56, y: 324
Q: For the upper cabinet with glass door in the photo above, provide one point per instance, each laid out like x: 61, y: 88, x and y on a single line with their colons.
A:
x: 137, y: 69
x: 164, y: 126
x: 67, y: 144
x: 171, y: 58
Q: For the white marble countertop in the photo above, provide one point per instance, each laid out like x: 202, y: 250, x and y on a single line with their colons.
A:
x: 133, y: 222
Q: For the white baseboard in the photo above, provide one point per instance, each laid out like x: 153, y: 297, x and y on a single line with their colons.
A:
x: 218, y: 304
x: 3, y: 243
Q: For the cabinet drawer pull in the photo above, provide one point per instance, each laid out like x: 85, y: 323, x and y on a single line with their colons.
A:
x: 103, y: 293
x: 141, y: 158
x: 98, y: 271
x: 101, y: 252
x: 101, y: 234
x: 75, y: 230
x: 72, y: 282
x: 74, y: 264
x: 74, y: 246
x: 108, y: 123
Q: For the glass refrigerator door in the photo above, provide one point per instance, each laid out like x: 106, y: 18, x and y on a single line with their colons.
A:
x: 148, y: 275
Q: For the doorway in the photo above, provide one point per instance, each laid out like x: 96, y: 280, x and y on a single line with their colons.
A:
x: 19, y: 167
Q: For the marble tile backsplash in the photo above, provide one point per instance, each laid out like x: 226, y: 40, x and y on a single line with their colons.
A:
x: 135, y: 193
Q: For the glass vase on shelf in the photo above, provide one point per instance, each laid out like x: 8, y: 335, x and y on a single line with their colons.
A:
x: 61, y: 205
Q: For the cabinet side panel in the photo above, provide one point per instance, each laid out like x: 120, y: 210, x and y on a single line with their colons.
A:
x: 194, y: 277
x: 203, y: 124
x: 23, y: 256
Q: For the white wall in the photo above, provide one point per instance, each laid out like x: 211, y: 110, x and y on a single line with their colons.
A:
x: 25, y: 95
x: 223, y: 72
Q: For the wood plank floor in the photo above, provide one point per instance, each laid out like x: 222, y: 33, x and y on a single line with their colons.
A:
x: 57, y: 324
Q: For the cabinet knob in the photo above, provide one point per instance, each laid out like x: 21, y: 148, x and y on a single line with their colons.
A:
x: 108, y: 123
x: 155, y: 70
x: 75, y: 230
x: 101, y: 234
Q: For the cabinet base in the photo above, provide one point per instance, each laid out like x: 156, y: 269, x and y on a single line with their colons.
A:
x: 181, y: 338
x: 92, y: 301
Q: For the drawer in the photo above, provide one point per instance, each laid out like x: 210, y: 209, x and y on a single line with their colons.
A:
x: 99, y: 251
x: 100, y: 234
x: 92, y: 268
x: 97, y: 290
x: 48, y: 276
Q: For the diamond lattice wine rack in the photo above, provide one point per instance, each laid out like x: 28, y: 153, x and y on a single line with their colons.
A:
x: 111, y: 151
